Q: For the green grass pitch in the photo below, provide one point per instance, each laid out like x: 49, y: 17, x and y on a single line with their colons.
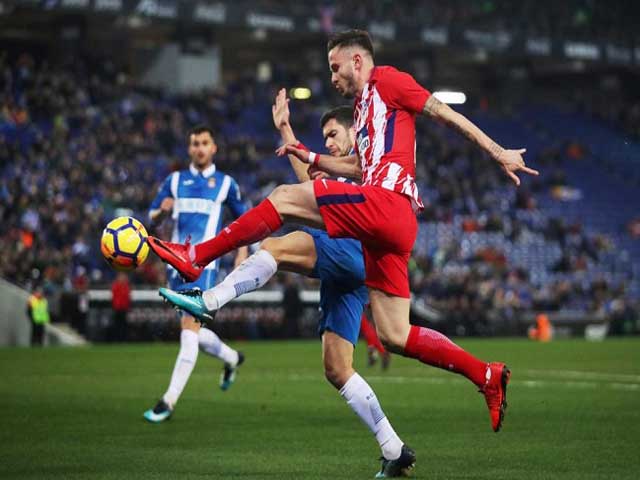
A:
x: 574, y: 413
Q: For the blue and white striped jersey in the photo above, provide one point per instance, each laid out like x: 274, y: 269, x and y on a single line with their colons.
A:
x: 199, y: 198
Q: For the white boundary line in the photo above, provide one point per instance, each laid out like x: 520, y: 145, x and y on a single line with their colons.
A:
x: 606, y: 381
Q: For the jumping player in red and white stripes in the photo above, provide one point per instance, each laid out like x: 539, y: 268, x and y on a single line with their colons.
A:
x: 380, y: 212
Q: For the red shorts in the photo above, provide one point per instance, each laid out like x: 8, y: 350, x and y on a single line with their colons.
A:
x: 382, y: 220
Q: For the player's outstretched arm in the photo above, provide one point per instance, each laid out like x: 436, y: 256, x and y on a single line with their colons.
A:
x: 348, y: 166
x: 281, y: 114
x: 511, y: 161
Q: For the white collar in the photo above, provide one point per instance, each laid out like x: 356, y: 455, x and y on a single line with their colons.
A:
x: 206, y: 173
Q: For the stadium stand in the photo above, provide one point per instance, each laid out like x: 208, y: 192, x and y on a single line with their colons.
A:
x: 80, y: 143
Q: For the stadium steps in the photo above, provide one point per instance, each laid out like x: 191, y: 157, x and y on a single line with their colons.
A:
x: 62, y: 334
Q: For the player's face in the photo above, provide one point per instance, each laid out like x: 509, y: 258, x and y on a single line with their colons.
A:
x: 202, y: 148
x: 337, y: 138
x: 341, y: 64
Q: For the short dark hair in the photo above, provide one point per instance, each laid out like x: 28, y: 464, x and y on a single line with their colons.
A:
x: 343, y: 115
x: 351, y: 38
x: 198, y: 129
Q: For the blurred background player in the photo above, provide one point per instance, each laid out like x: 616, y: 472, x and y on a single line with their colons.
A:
x: 195, y: 197
x: 121, y: 304
x: 375, y: 348
x: 339, y: 265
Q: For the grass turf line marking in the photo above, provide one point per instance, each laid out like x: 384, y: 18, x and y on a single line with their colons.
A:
x: 604, y: 376
x: 579, y: 385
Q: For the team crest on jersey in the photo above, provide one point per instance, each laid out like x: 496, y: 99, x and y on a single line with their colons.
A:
x: 212, y: 182
x: 363, y: 140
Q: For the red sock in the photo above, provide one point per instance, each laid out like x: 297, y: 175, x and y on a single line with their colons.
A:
x: 256, y: 224
x: 433, y: 348
x: 370, y: 335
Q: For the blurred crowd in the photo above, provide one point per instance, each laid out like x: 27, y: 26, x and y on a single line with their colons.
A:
x: 483, y: 269
x: 572, y: 19
x: 81, y: 143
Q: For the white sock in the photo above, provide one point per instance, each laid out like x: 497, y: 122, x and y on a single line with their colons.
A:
x: 364, y: 402
x: 185, y: 362
x: 210, y: 343
x: 250, y: 275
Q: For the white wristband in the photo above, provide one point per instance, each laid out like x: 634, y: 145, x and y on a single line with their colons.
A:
x: 314, y: 158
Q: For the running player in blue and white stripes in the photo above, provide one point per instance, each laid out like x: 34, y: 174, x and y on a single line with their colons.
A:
x: 195, y: 198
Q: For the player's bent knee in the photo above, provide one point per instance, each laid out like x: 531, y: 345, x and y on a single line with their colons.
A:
x: 337, y: 374
x: 293, y: 201
x: 392, y: 341
x: 335, y: 377
x: 280, y: 196
x: 272, y: 245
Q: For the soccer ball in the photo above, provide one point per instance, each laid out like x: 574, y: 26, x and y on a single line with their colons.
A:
x: 124, y: 243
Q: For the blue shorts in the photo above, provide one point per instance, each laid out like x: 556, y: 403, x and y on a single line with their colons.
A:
x: 343, y: 296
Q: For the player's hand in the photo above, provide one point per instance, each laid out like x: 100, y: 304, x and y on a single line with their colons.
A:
x: 511, y: 161
x: 290, y: 149
x: 316, y: 174
x: 167, y: 205
x: 280, y: 110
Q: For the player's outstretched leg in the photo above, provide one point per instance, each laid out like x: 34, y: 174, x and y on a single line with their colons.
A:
x: 185, y: 362
x: 178, y: 255
x: 257, y: 224
x: 435, y: 349
x: 250, y: 275
x: 211, y: 344
x: 291, y: 203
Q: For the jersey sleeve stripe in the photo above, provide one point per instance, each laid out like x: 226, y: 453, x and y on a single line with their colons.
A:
x: 175, y: 179
x: 224, y: 189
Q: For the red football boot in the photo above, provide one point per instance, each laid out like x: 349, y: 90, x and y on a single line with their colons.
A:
x: 495, y: 392
x: 176, y: 255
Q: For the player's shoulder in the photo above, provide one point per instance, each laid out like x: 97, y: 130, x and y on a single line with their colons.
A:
x: 392, y: 78
x: 170, y: 177
x: 183, y: 173
x: 384, y: 70
x: 399, y: 89
x: 386, y: 73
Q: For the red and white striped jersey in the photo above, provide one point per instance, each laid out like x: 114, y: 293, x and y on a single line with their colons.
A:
x: 385, y: 121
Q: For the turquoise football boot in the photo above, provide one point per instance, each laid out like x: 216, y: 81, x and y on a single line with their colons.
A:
x: 189, y: 301
x: 229, y: 372
x: 159, y: 413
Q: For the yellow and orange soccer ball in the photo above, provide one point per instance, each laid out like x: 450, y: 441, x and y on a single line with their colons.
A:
x: 124, y: 243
